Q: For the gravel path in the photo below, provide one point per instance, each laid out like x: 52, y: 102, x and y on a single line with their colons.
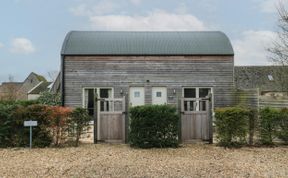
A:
x: 105, y: 160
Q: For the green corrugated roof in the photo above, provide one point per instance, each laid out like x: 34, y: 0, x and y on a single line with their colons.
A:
x: 146, y: 43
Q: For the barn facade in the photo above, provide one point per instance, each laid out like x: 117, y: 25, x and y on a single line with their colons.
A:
x: 108, y: 72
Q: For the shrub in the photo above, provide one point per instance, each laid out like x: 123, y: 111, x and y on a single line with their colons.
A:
x: 268, y: 125
x: 42, y: 136
x: 79, y: 120
x: 52, y: 123
x: 232, y: 125
x: 49, y: 98
x: 282, y: 132
x: 18, y: 102
x: 59, y: 123
x: 5, y: 124
x: 153, y: 126
x: 7, y: 121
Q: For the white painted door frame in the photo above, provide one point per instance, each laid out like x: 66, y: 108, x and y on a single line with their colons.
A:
x: 97, y: 93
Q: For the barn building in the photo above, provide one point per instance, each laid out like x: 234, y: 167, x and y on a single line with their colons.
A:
x: 108, y: 72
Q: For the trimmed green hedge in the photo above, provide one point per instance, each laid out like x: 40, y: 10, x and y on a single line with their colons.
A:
x: 12, y: 117
x: 153, y: 126
x: 282, y: 133
x: 12, y: 131
x: 273, y: 124
x: 268, y: 125
x: 232, y: 125
x: 5, y: 124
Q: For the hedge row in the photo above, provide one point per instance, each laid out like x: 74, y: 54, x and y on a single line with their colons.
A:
x: 232, y: 125
x: 273, y: 124
x: 235, y: 124
x: 53, y: 124
x: 153, y: 126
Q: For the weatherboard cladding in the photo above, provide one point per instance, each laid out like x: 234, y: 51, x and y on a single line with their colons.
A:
x: 146, y: 43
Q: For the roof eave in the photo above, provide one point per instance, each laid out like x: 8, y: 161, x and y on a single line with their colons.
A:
x: 147, y: 54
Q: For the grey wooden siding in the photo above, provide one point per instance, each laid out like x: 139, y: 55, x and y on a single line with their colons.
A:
x: 173, y: 72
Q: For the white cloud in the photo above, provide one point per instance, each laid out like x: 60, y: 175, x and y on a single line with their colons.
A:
x: 251, y: 48
x: 136, y: 2
x: 269, y: 6
x: 1, y: 45
x: 156, y: 20
x: 103, y: 7
x: 22, y: 46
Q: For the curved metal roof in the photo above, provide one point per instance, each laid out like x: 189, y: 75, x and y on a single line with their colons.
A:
x: 146, y: 43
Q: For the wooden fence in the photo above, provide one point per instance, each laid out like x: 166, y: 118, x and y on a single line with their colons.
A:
x: 253, y: 98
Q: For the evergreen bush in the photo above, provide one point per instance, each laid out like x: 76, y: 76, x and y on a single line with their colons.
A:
x: 283, y: 126
x: 153, y: 126
x: 49, y: 98
x: 79, y: 120
x: 42, y: 136
x: 269, y: 119
x: 232, y: 125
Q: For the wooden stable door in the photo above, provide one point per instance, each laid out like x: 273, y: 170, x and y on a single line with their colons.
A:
x: 195, y: 125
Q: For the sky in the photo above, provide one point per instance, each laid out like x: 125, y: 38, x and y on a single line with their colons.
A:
x: 32, y: 31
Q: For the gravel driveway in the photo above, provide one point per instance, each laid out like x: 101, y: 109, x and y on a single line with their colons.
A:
x: 105, y: 160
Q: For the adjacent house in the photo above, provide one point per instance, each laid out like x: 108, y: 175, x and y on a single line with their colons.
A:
x: 30, y: 82
x: 8, y: 90
x: 262, y: 86
x: 268, y: 79
x: 35, y: 92
x: 22, y: 90
x: 108, y: 72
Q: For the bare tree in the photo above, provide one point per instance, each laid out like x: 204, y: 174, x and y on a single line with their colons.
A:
x: 279, y: 49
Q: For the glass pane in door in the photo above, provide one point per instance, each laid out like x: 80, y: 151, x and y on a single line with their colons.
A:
x: 203, y: 92
x: 189, y: 92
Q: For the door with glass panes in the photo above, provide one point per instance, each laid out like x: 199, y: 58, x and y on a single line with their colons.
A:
x: 95, y: 101
x: 196, y: 113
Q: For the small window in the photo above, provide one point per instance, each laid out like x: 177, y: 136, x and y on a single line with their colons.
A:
x: 270, y: 77
x: 189, y: 93
x: 158, y: 94
x: 137, y: 94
